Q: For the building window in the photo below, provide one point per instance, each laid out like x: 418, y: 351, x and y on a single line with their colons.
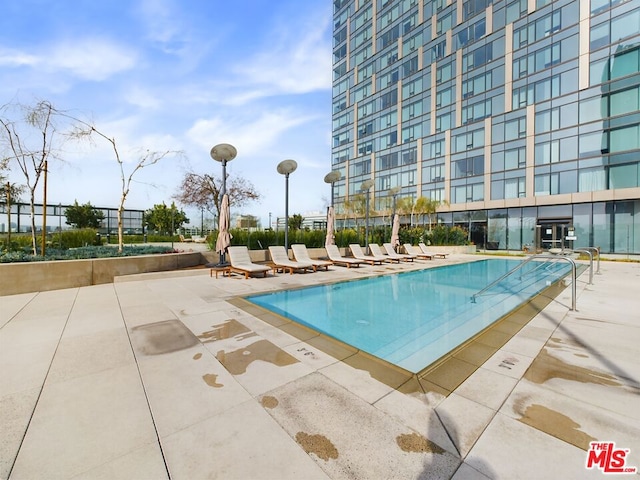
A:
x: 410, y: 156
x: 474, y: 7
x: 476, y: 111
x: 389, y: 99
x: 445, y: 96
x: 366, y: 109
x: 412, y: 88
x: 361, y: 168
x: 516, y: 9
x: 468, y: 141
x: 515, y: 129
x: 412, y: 110
x: 445, y: 73
x: 444, y: 22
x: 387, y: 161
x: 411, y: 133
x: 476, y: 85
x: 468, y: 167
x: 389, y: 140
x: 472, y: 33
x: 515, y: 158
x: 478, y: 57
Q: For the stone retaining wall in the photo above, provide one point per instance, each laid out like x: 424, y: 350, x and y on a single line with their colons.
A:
x: 54, y: 275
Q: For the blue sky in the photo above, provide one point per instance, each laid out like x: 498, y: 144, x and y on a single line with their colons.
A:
x: 179, y: 75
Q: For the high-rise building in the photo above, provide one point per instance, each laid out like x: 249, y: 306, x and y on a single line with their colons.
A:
x: 522, y: 117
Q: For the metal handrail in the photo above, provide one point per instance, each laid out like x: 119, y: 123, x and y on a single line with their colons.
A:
x: 524, y: 262
x: 588, y: 252
x: 594, y: 249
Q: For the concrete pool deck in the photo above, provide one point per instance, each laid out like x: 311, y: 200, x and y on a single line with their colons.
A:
x: 164, y: 376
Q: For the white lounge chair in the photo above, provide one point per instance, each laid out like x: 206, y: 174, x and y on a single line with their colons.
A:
x: 281, y: 260
x: 241, y: 262
x: 405, y: 257
x: 425, y: 249
x: 376, y: 251
x: 334, y: 255
x: 414, y: 250
x: 357, y: 252
x: 301, y: 254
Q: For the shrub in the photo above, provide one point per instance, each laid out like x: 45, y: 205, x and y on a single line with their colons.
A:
x: 446, y: 235
x: 75, y: 238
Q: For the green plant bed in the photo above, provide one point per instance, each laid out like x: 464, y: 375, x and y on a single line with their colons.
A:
x: 83, y: 253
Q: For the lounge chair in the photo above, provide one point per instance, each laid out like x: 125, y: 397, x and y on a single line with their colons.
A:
x: 241, y: 262
x: 405, y: 257
x: 357, y: 252
x: 419, y: 254
x: 425, y: 249
x: 185, y: 240
x: 376, y: 251
x: 281, y: 260
x: 334, y: 255
x: 301, y: 254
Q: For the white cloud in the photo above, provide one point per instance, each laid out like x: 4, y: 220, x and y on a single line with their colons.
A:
x: 251, y: 136
x: 90, y: 58
x: 299, y: 62
x: 14, y: 58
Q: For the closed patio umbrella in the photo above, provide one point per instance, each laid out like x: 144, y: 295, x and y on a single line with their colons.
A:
x: 330, y: 221
x: 395, y: 231
x: 224, y: 237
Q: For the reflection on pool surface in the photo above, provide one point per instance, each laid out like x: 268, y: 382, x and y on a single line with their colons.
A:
x: 411, y: 319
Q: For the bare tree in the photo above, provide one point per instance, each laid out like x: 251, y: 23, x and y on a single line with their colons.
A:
x: 30, y: 141
x: 203, y: 191
x: 146, y: 158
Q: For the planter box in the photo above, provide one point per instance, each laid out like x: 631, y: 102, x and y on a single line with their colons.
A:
x: 54, y: 275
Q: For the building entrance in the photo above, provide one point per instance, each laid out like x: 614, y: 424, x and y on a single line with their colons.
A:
x: 554, y: 233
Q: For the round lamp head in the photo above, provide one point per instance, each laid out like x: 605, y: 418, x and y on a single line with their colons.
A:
x: 332, y: 177
x: 223, y: 152
x: 286, y: 167
x: 395, y: 190
x: 366, y: 185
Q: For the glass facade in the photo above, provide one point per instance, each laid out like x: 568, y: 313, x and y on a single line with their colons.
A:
x: 20, y: 215
x: 499, y: 109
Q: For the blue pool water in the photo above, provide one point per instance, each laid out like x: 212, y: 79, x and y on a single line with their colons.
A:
x: 411, y: 319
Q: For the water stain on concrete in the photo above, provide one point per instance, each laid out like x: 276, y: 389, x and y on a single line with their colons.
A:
x: 163, y: 337
x: 566, y: 341
x: 211, y: 379
x: 545, y: 367
x: 228, y: 329
x: 556, y: 424
x: 197, y: 356
x: 269, y: 401
x: 237, y: 361
x: 318, y: 444
x: 413, y: 442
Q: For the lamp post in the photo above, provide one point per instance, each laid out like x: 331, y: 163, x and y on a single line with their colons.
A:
x: 269, y: 220
x: 285, y: 168
x: 332, y: 177
x: 394, y: 193
x: 223, y: 153
x: 365, y: 187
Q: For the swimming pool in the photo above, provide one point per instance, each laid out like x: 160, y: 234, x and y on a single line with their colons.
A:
x: 411, y: 319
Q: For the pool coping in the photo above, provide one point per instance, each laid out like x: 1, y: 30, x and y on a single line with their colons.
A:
x: 443, y: 375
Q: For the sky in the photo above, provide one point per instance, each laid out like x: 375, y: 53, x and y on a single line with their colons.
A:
x: 179, y: 75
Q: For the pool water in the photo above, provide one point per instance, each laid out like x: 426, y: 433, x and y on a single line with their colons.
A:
x: 411, y: 319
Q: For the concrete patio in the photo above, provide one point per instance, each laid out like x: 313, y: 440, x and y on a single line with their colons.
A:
x: 164, y: 376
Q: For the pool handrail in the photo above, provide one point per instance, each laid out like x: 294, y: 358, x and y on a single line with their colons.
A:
x: 527, y: 260
x: 588, y: 252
